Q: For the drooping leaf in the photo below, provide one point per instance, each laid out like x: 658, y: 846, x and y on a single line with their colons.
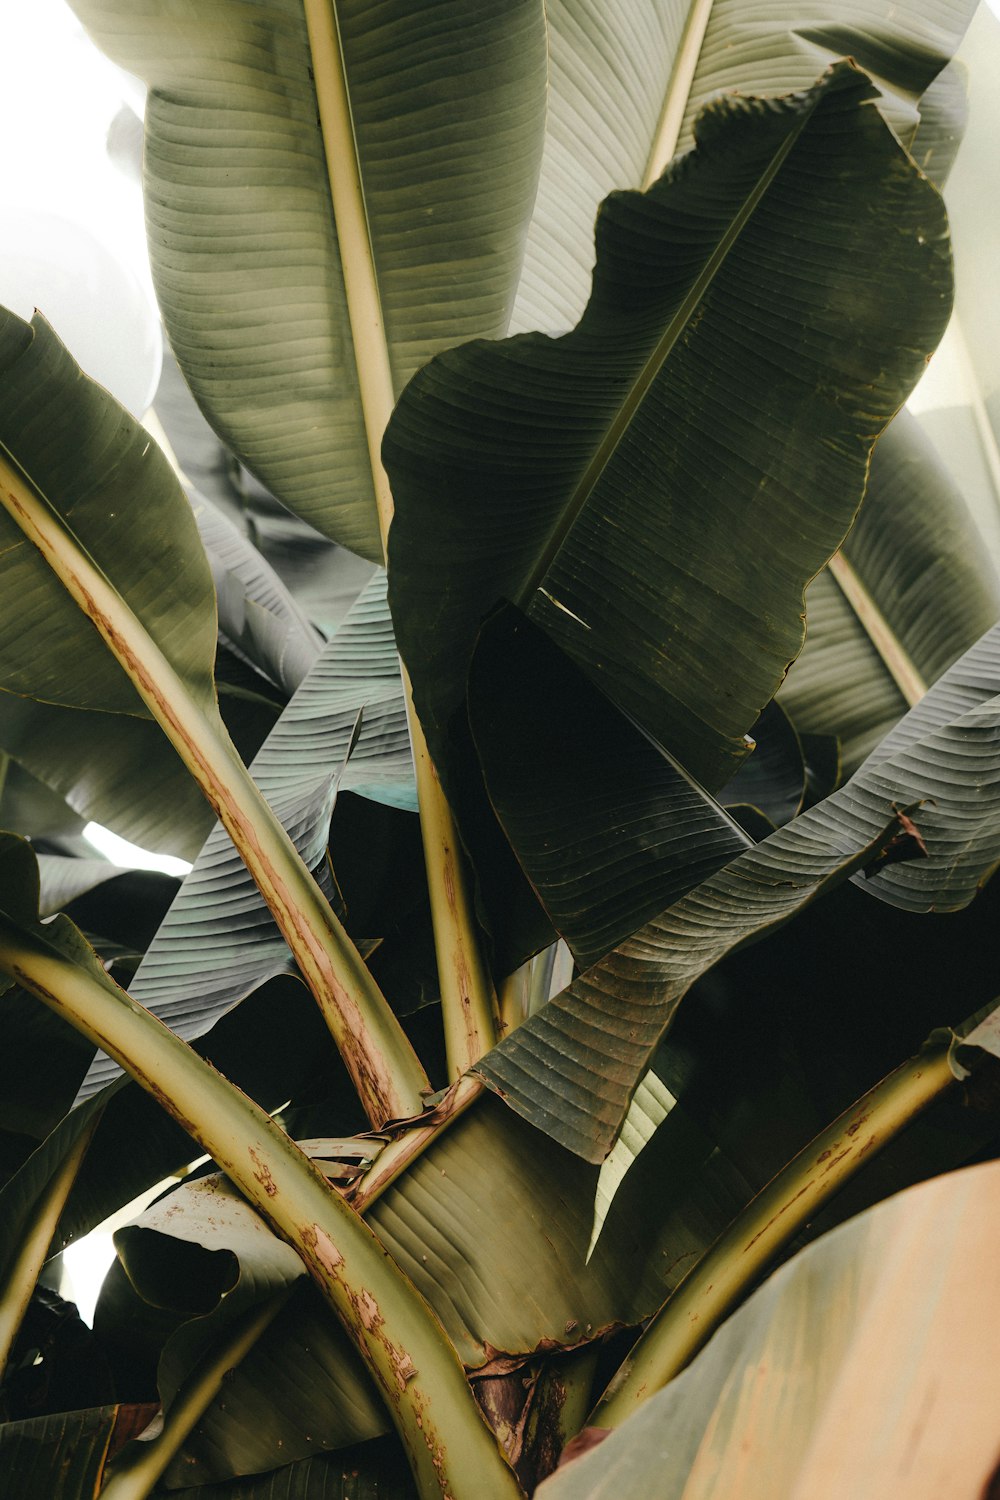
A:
x: 203, y: 1255
x: 772, y: 780
x: 608, y: 829
x: 202, y: 962
x: 594, y: 479
x: 942, y: 760
x: 95, y: 467
x: 447, y: 107
x: 602, y: 55
x: 790, y: 1397
x: 111, y: 769
x: 924, y: 588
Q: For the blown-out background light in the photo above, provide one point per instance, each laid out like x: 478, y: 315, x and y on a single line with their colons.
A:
x: 73, y: 242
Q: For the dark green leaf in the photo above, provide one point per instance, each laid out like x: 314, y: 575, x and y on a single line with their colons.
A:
x: 608, y: 829
x: 656, y: 488
x: 943, y: 755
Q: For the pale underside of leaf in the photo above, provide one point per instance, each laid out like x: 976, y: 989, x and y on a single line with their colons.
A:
x: 862, y: 1368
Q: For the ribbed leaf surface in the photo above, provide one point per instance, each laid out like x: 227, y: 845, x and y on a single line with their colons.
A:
x: 943, y: 760
x: 656, y: 488
x: 616, y: 76
x: 106, y: 479
x: 608, y: 829
x: 448, y: 110
x: 917, y: 558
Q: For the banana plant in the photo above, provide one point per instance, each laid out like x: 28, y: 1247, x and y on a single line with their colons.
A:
x: 542, y: 983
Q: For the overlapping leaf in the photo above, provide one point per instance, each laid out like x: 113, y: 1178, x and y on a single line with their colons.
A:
x: 943, y: 760
x: 107, y: 480
x: 256, y: 611
x: 602, y: 55
x: 448, y: 110
x: 301, y: 1389
x: 790, y: 1395
x: 218, y: 942
x: 656, y: 488
x: 918, y: 563
x: 608, y: 829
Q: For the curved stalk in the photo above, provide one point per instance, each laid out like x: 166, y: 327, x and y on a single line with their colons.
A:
x: 386, y: 1071
x: 467, y: 1000
x: 135, y: 1475
x: 728, y: 1272
x: 418, y: 1372
x: 22, y: 1278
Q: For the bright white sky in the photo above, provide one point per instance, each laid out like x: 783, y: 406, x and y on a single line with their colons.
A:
x: 73, y: 233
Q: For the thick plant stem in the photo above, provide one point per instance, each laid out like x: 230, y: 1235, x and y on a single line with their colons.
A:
x: 467, y: 1000
x: 22, y: 1277
x: 135, y: 1475
x: 728, y: 1272
x: 418, y: 1372
x: 386, y: 1071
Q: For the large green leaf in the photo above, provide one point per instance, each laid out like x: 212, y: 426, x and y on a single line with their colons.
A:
x: 756, y: 318
x: 623, y: 90
x: 608, y: 829
x: 448, y: 109
x: 604, y: 1027
x: 862, y: 1368
x: 111, y: 769
x: 923, y: 591
x: 112, y: 489
x: 302, y: 1389
x: 110, y: 485
x: 218, y: 941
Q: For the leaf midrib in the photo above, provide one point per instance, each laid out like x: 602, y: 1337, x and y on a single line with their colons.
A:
x: 640, y: 388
